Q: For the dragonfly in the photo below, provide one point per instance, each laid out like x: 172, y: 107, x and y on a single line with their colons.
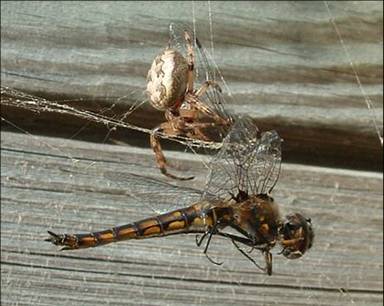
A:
x: 236, y: 203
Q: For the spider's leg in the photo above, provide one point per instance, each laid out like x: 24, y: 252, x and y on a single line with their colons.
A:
x: 197, y: 130
x: 168, y: 129
x: 190, y: 60
x: 194, y: 101
x: 198, y: 133
x: 205, y: 87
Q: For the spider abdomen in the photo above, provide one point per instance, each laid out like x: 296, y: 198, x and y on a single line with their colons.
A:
x: 167, y: 79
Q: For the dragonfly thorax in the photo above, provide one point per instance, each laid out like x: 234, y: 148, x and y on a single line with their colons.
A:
x: 257, y: 218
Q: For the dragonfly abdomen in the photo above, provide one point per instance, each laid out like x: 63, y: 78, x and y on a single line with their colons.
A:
x: 193, y: 219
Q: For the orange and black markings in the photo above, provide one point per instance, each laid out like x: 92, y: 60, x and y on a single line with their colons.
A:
x: 184, y: 220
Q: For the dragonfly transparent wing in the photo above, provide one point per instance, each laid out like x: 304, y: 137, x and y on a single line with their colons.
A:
x: 248, y: 161
x: 204, y: 67
x: 154, y: 196
x: 159, y: 196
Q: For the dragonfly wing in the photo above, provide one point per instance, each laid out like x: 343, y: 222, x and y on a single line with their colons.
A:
x: 248, y: 161
x: 158, y: 195
x: 153, y: 195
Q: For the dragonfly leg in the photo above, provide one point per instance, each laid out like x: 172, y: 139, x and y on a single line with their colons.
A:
x: 242, y: 240
x: 250, y: 250
x: 247, y: 256
x: 267, y: 255
x: 268, y: 260
x: 207, y: 245
x: 199, y: 241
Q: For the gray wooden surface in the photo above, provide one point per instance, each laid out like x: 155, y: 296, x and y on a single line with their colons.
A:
x: 283, y: 62
x: 62, y: 185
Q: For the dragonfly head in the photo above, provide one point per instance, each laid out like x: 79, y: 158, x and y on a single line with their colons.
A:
x: 297, y: 236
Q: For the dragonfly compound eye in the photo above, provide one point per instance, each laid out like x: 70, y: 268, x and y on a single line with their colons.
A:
x: 296, y: 236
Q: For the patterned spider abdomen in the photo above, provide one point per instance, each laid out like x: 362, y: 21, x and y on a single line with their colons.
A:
x: 167, y: 79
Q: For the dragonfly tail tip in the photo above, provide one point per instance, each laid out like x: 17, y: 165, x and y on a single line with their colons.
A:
x: 54, y: 238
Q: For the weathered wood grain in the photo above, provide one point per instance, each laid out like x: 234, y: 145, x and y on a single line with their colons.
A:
x: 282, y: 60
x: 62, y: 185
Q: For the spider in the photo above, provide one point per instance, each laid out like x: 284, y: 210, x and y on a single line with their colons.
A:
x: 170, y: 88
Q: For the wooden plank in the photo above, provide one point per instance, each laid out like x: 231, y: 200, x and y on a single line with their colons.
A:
x: 51, y: 183
x: 283, y: 61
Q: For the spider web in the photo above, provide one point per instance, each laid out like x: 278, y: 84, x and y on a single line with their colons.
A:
x: 366, y: 97
x: 330, y: 222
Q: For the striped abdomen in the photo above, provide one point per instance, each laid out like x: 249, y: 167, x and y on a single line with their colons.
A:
x: 196, y: 218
